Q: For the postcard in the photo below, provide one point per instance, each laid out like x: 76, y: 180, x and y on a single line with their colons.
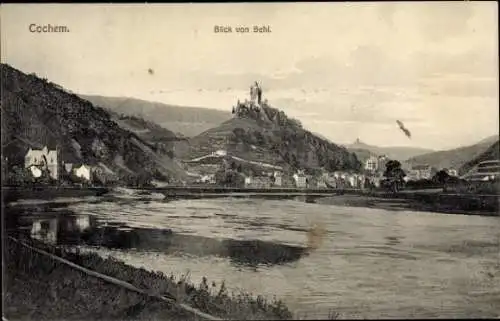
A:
x: 244, y: 161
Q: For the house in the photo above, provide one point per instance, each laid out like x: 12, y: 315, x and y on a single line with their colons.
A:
x: 321, y: 183
x: 329, y: 180
x: 220, y: 153
x: 352, y: 180
x: 207, y: 179
x: 360, y: 181
x: 412, y: 175
x: 278, y: 178
x: 421, y: 171
x: 375, y: 181
x: 83, y: 171
x: 382, y: 161
x: 371, y: 164
x: 300, y: 179
x: 258, y: 181
x: 43, y: 158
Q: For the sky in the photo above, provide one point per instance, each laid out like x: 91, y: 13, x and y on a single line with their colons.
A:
x: 345, y: 70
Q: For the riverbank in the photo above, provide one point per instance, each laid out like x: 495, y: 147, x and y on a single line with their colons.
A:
x: 11, y: 194
x: 33, y: 282
x: 424, y: 202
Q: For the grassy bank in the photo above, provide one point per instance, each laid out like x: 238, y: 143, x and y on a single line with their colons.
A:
x: 37, y: 287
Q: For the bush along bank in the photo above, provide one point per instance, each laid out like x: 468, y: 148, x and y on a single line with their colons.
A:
x: 38, y: 287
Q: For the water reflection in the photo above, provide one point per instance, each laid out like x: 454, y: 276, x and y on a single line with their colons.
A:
x: 45, y: 230
x: 61, y: 229
x: 60, y: 226
x: 247, y: 252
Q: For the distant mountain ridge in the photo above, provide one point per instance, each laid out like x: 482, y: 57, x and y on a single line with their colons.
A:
x: 454, y: 158
x: 363, y: 151
x: 36, y: 112
x: 188, y: 121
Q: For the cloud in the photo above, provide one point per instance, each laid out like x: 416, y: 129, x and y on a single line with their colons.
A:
x: 442, y: 20
x: 459, y: 87
x: 473, y: 63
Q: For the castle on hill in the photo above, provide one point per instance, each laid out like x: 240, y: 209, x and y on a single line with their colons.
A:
x: 252, y: 107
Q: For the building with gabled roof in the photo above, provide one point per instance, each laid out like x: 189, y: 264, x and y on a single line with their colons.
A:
x: 43, y: 158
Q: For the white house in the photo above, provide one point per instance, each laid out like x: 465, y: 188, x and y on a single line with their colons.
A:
x: 352, y: 180
x: 258, y: 181
x: 43, y: 158
x: 278, y: 179
x: 422, y: 171
x: 207, y: 179
x: 372, y: 163
x: 220, y: 152
x: 83, y: 172
x: 300, y: 180
x: 321, y: 183
x: 361, y: 181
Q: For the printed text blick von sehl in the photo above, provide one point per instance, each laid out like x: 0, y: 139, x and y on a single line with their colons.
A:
x: 242, y: 29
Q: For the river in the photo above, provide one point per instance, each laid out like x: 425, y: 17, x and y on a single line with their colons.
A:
x: 358, y: 262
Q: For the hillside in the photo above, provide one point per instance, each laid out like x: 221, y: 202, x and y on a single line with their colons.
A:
x: 188, y: 121
x: 454, y: 158
x: 270, y: 137
x: 36, y: 112
x: 164, y: 140
x: 491, y: 153
x: 363, y: 151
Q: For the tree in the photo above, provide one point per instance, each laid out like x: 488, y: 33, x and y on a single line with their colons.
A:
x: 441, y: 177
x: 239, y: 132
x: 394, y: 174
x: 19, y: 176
x: 229, y: 178
x: 259, y: 138
x: 294, y: 162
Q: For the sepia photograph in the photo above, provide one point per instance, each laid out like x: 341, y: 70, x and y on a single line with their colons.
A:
x: 250, y: 161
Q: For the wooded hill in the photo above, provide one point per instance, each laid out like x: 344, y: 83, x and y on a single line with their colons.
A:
x: 268, y: 135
